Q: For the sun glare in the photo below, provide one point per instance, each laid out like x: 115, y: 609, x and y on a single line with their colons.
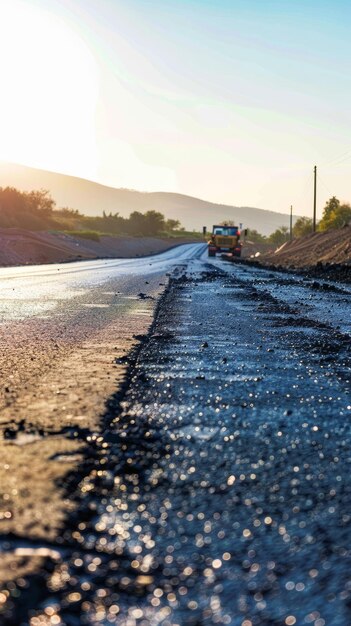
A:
x: 49, y: 90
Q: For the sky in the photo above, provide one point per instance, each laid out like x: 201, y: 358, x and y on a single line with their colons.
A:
x: 232, y: 101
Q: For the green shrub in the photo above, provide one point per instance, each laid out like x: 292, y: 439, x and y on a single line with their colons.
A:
x: 93, y: 235
x: 335, y: 215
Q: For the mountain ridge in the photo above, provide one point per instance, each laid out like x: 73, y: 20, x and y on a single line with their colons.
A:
x: 92, y: 198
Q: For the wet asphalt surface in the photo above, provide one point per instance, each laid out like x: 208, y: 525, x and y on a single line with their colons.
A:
x: 218, y: 489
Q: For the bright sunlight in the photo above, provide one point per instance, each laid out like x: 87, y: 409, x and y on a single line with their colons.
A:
x: 49, y: 92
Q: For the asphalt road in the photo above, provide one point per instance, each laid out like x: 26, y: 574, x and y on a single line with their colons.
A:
x: 33, y: 291
x: 216, y: 490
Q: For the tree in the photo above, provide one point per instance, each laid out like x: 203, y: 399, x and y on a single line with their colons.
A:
x: 280, y: 236
x: 40, y: 201
x: 328, y: 213
x: 227, y: 223
x: 136, y: 223
x: 335, y: 215
x: 342, y: 216
x: 171, y: 225
x: 154, y: 223
x: 35, y: 210
x: 339, y: 218
x: 302, y: 227
x: 330, y: 207
x: 254, y: 235
x: 11, y: 200
x: 68, y: 212
x: 336, y: 218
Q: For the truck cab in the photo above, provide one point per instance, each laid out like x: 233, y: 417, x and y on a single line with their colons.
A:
x: 224, y: 238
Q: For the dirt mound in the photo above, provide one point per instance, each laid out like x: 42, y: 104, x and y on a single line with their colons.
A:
x: 324, y: 248
x: 22, y: 247
x: 254, y: 248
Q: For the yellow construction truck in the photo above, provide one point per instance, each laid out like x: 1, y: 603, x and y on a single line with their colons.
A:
x: 225, y: 238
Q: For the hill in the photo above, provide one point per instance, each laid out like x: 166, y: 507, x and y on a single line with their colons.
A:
x: 92, y: 198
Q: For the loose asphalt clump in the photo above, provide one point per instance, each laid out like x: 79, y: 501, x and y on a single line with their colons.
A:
x: 334, y: 272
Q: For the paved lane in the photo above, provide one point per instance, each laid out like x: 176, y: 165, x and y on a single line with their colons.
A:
x: 65, y: 335
x: 32, y: 290
x: 218, y: 489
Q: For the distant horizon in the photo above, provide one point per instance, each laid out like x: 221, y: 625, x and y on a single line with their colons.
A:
x: 143, y: 191
x: 92, y: 198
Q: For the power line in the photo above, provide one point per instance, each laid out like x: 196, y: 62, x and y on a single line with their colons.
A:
x: 341, y: 160
x: 337, y: 158
x: 321, y: 180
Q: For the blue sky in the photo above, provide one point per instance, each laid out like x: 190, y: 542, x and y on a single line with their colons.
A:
x: 230, y: 101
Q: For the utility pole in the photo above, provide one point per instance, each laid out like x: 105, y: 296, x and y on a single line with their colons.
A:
x: 315, y: 198
x: 291, y: 209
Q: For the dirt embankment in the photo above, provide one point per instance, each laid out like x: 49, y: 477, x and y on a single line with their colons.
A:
x: 254, y: 248
x: 321, y: 255
x: 22, y: 247
x: 332, y: 247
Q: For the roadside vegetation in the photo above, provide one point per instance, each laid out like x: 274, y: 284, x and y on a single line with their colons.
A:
x: 335, y: 215
x: 36, y: 210
x: 93, y: 235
